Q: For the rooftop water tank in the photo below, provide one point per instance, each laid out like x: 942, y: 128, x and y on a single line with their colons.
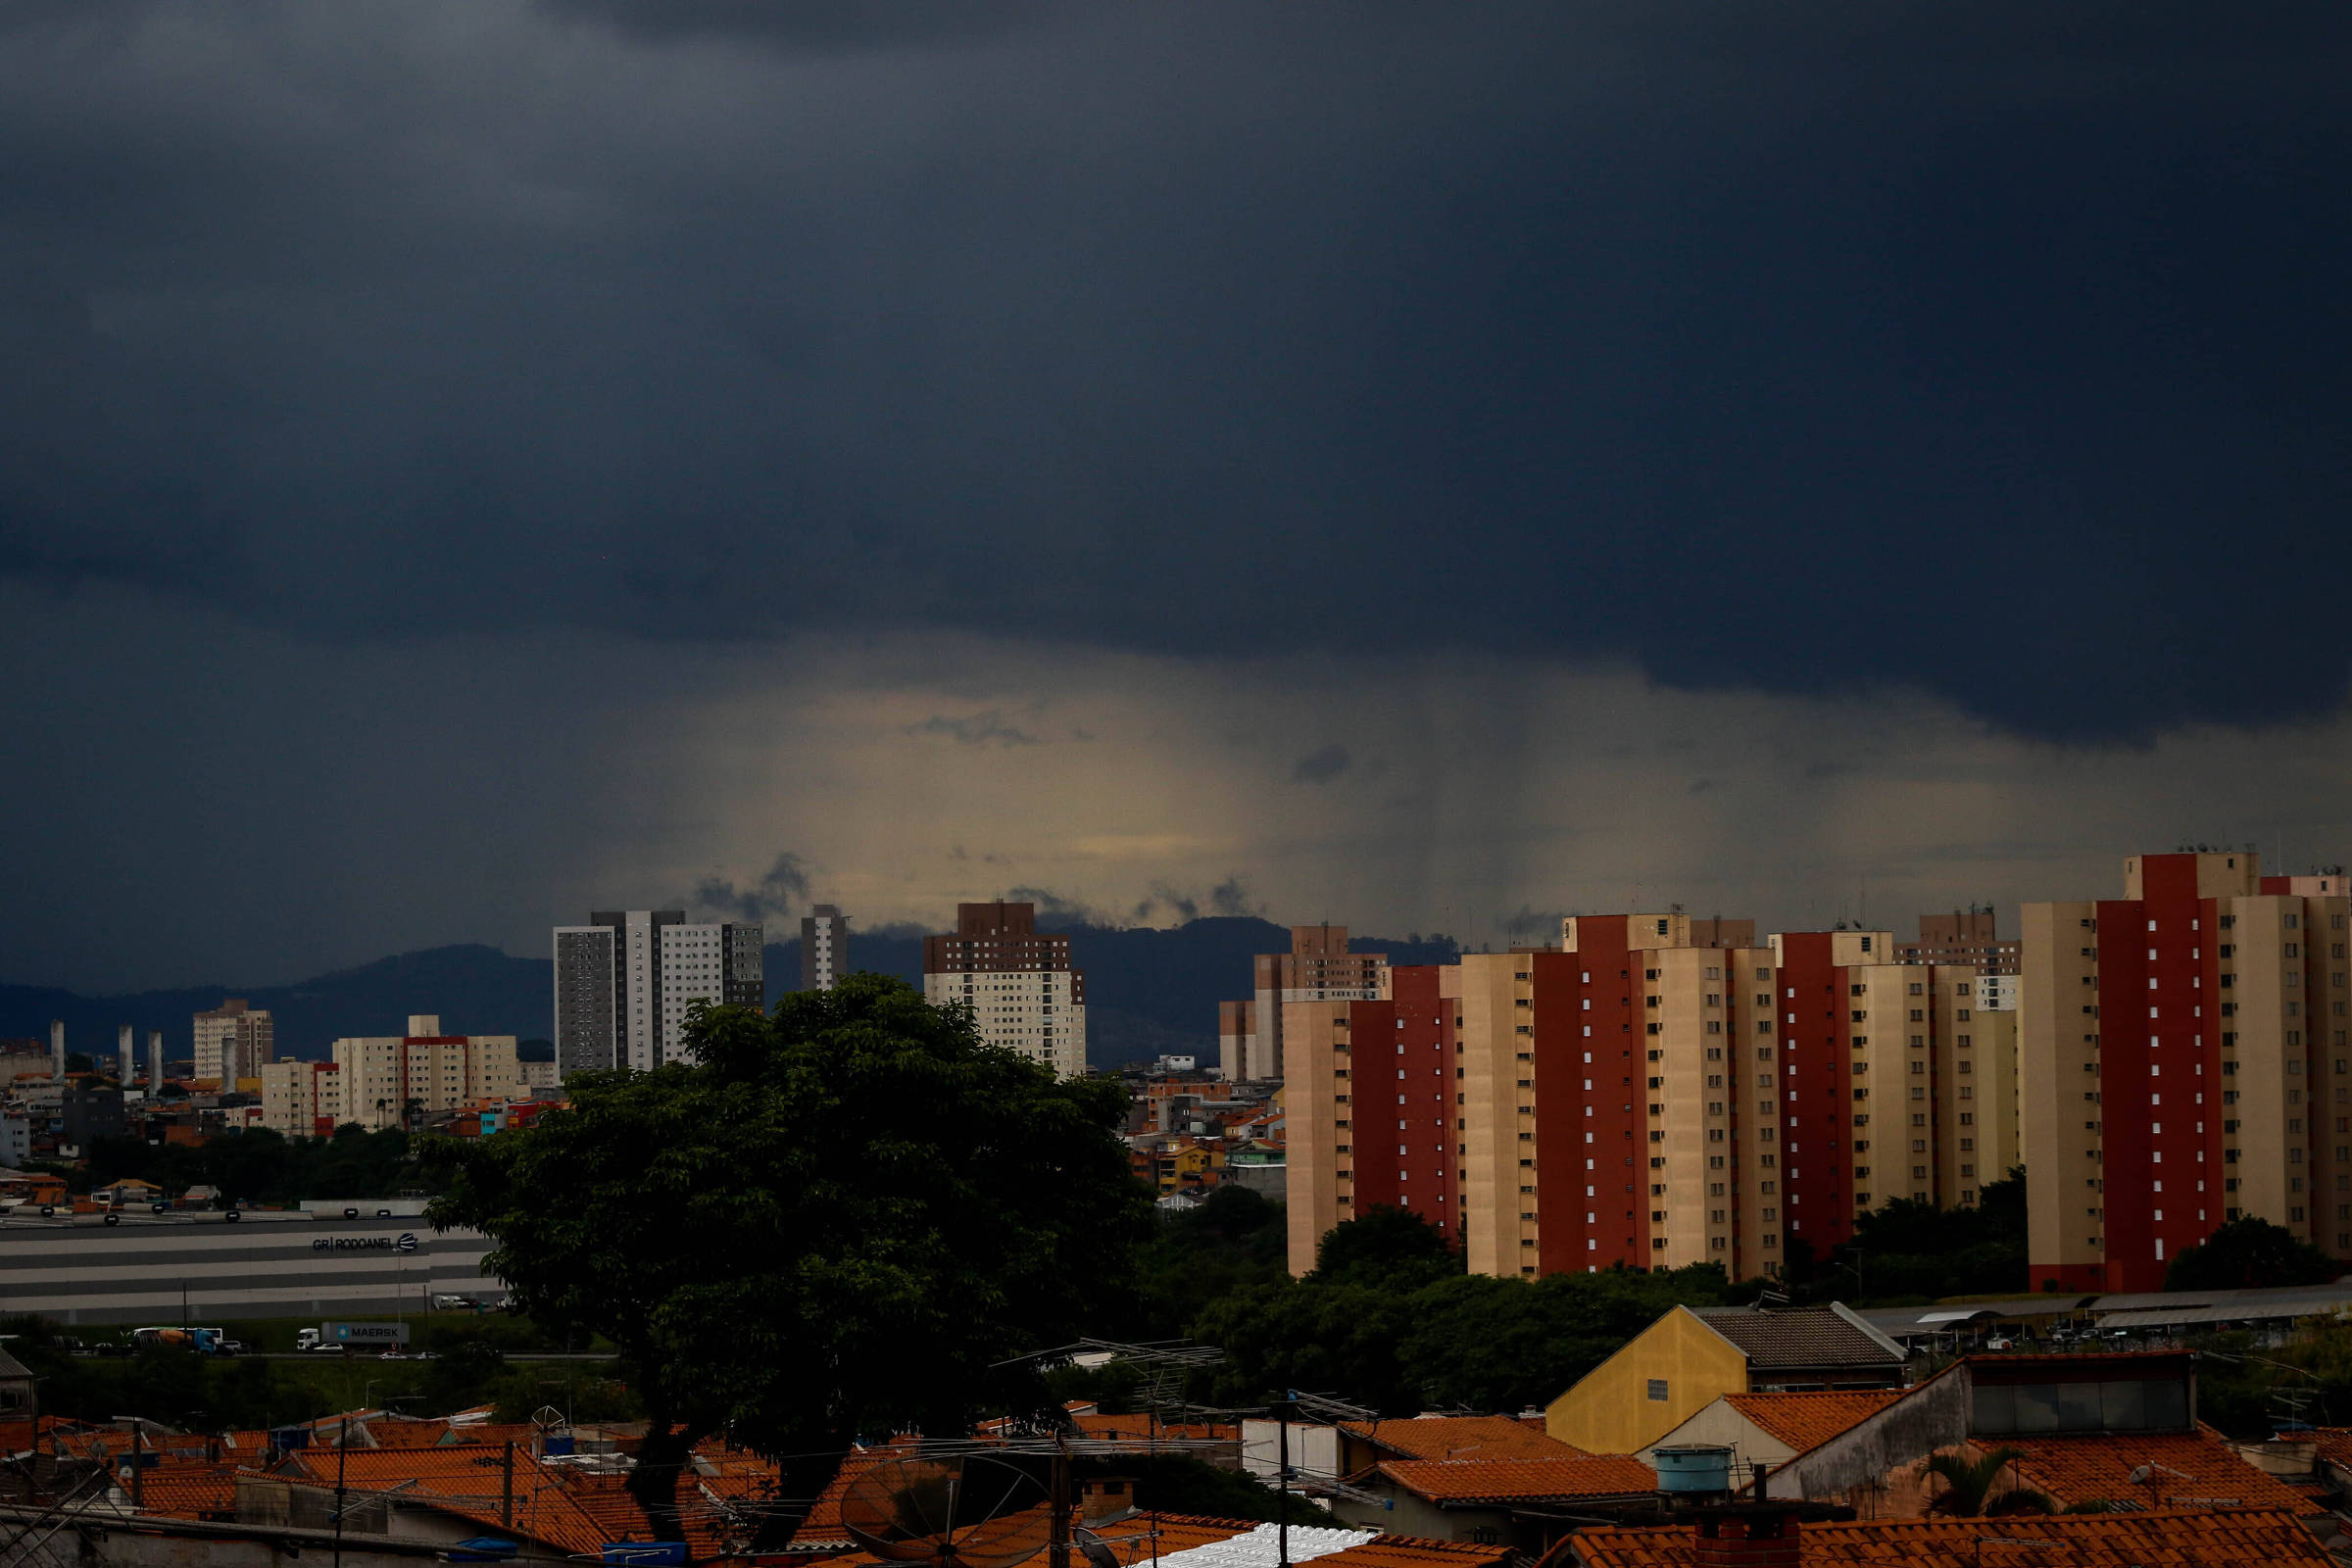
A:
x: 1693, y: 1469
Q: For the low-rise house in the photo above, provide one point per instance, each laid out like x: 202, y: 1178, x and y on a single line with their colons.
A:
x: 1520, y: 1503
x: 1769, y: 1537
x: 1692, y: 1355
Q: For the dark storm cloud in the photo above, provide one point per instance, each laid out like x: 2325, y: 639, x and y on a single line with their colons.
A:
x: 783, y: 888
x: 1321, y: 766
x: 2001, y: 350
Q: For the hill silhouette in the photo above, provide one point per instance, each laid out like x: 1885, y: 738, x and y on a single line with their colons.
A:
x: 1149, y: 990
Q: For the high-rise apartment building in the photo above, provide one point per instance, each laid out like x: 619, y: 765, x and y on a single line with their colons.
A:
x: 625, y: 982
x: 382, y: 1081
x: 1317, y: 968
x: 1660, y: 1091
x: 1016, y: 979
x: 301, y: 1099
x: 824, y: 948
x: 1957, y: 938
x: 235, y: 1041
x: 2220, y: 994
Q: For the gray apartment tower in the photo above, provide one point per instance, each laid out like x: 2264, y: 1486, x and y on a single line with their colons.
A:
x: 626, y: 981
x: 824, y: 948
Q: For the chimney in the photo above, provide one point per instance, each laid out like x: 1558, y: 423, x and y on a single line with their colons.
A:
x: 56, y: 1049
x: 126, y: 1052
x: 1746, y: 1536
x: 155, y: 1061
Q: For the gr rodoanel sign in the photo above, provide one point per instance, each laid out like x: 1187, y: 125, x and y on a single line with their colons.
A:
x: 405, y: 1242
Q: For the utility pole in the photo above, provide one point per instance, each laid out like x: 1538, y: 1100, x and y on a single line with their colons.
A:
x: 1281, y: 1475
x: 342, y: 1448
x: 1057, y: 1549
x: 506, y: 1488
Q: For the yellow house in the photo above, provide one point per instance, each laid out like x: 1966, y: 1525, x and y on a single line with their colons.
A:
x: 1689, y: 1357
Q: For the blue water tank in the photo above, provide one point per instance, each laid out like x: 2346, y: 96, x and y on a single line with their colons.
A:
x: 287, y: 1439
x: 556, y: 1445
x: 1693, y: 1468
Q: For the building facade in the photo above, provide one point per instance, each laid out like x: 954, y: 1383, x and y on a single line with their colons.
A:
x: 235, y: 1041
x: 1016, y: 979
x: 299, y: 1099
x: 2220, y: 994
x: 1319, y: 968
x: 824, y: 948
x: 626, y: 981
x: 1961, y: 939
x: 387, y: 1080
x: 1659, y: 1091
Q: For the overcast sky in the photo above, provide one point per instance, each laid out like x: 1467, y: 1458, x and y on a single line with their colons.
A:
x: 1429, y: 466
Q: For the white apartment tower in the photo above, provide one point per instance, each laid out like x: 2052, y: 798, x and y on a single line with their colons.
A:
x: 824, y: 948
x: 625, y: 982
x: 1017, y: 980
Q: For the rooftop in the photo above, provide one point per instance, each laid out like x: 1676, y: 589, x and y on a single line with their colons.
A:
x: 2176, y: 1469
x: 1471, y: 1481
x: 1805, y: 1421
x: 1463, y: 1437
x: 1812, y: 1337
x: 2190, y: 1539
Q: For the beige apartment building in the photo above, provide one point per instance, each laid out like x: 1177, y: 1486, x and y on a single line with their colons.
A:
x: 235, y: 1041
x: 378, y: 1081
x: 1319, y: 968
x: 2185, y: 1056
x: 299, y: 1099
x: 1657, y: 1092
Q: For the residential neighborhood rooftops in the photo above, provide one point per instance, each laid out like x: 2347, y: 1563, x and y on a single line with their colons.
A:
x: 2150, y: 1469
x: 2190, y: 1539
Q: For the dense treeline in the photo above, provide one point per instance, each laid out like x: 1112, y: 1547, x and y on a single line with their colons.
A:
x: 204, y: 1394
x: 263, y: 1166
x: 1389, y: 1318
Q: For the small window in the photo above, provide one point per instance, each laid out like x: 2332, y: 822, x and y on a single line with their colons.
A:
x: 1657, y: 1390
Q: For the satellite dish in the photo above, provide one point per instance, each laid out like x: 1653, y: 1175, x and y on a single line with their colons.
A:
x: 969, y: 1512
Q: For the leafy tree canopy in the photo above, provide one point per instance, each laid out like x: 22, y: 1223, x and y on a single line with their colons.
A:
x: 831, y: 1224
x: 2249, y: 1253
x: 1911, y: 1250
x: 1388, y: 1320
x: 264, y: 1166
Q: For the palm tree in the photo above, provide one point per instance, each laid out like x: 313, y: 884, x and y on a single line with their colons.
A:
x: 1974, y: 1488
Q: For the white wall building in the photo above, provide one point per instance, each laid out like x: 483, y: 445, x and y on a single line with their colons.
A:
x: 824, y: 948
x: 625, y: 982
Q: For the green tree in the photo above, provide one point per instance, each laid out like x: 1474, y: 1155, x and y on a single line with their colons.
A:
x: 830, y: 1225
x: 1386, y: 1246
x: 1916, y: 1249
x: 2249, y: 1253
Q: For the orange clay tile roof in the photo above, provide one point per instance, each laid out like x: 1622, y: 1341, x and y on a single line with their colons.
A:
x: 2199, y: 1470
x: 573, y: 1511
x: 1806, y: 1421
x: 408, y: 1433
x: 2335, y: 1443
x: 188, y: 1490
x: 1583, y: 1475
x: 2167, y: 1540
x: 1139, y: 1538
x: 1140, y: 1427
x: 1463, y: 1437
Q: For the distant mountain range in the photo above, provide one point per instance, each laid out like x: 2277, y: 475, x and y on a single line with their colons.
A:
x: 1149, y: 991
